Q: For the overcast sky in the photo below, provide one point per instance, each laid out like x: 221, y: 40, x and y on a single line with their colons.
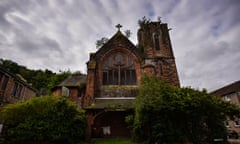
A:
x: 60, y: 34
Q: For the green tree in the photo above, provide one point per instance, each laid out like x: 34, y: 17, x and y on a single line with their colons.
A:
x: 101, y: 42
x: 128, y: 33
x: 45, y: 119
x: 167, y: 114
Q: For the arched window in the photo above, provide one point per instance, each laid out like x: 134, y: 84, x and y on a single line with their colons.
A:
x: 156, y: 41
x: 119, y: 69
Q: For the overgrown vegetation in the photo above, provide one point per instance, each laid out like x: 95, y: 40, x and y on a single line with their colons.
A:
x: 166, y: 114
x: 143, y: 22
x: 128, y: 33
x: 45, y: 120
x: 101, y: 42
x: 104, y: 40
x: 40, y: 79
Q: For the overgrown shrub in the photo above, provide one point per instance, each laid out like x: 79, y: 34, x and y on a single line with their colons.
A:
x: 167, y: 114
x: 45, y: 119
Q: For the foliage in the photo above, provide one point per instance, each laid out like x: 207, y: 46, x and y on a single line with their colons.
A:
x: 45, y: 119
x: 101, y: 42
x: 128, y: 33
x: 38, y: 78
x: 57, y: 79
x: 143, y: 22
x: 167, y: 114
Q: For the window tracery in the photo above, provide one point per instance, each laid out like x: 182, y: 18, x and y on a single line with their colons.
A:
x: 119, y: 69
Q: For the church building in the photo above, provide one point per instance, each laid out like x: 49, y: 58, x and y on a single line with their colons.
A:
x: 114, y: 74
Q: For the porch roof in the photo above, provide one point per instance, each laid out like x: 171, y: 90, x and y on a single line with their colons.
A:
x: 112, y: 103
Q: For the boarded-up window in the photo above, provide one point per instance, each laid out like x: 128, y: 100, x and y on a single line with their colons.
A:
x: 65, y: 91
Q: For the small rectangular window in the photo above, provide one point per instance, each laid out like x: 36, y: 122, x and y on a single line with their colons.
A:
x: 15, y: 89
x: 156, y: 41
x: 19, y: 90
x: 5, y: 81
x: 65, y: 91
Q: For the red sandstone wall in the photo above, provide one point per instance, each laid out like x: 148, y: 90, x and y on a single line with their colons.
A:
x: 25, y: 94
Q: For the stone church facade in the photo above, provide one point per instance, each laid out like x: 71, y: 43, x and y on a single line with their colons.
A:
x: 114, y: 74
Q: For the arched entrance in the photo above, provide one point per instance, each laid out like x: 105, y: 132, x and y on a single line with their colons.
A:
x: 111, y: 124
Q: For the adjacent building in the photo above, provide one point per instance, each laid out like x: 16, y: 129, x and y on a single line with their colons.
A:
x: 230, y: 93
x: 73, y: 87
x: 14, y: 88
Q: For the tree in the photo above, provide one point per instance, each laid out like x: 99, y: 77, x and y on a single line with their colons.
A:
x: 101, y: 42
x: 128, y: 33
x: 45, y: 119
x: 39, y: 79
x: 143, y: 22
x: 167, y: 114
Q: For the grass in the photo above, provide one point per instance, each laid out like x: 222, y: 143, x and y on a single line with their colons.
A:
x: 113, y: 141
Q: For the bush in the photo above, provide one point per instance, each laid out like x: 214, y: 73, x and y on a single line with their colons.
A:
x: 167, y: 114
x: 45, y: 119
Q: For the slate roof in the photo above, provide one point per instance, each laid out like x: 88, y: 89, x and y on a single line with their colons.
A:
x: 74, y: 80
x: 112, y: 103
x: 231, y: 88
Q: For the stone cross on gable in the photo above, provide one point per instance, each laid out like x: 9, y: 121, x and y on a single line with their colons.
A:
x: 118, y: 26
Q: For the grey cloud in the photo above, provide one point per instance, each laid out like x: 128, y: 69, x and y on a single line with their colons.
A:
x: 3, y: 20
x: 208, y: 52
x: 38, y: 46
x: 3, y: 39
x: 61, y: 34
x: 205, y: 60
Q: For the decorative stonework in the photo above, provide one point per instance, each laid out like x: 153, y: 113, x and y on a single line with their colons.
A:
x: 118, y: 91
x: 92, y: 64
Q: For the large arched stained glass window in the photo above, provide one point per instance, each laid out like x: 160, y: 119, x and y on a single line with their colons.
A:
x: 119, y: 69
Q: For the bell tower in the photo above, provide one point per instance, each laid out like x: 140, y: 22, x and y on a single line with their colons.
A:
x: 155, y: 46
